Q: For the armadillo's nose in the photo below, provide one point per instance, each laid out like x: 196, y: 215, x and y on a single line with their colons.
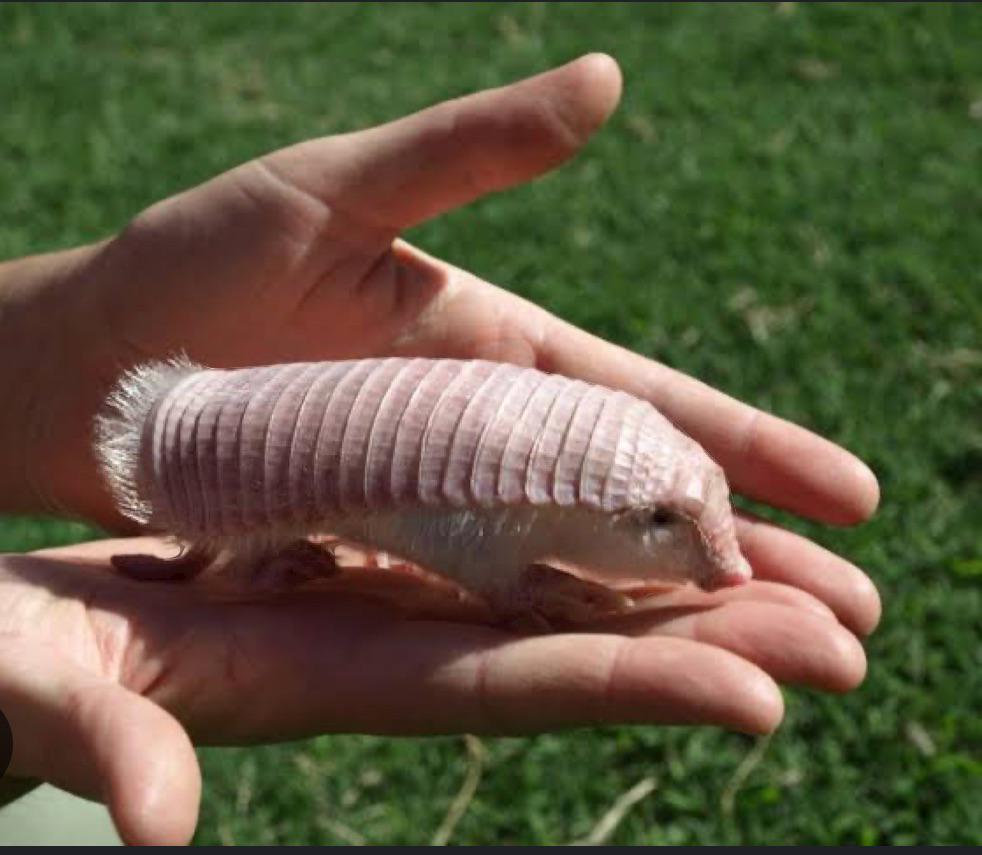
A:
x: 725, y: 571
x: 734, y: 573
x: 707, y: 498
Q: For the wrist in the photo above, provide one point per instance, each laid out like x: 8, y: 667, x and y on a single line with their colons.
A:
x: 48, y: 351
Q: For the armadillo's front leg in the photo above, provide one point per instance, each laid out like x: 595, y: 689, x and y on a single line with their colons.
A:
x: 564, y: 598
x: 554, y: 596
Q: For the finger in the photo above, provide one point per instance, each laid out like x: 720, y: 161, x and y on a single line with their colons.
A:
x: 791, y: 644
x: 778, y: 555
x: 344, y: 665
x: 765, y: 457
x: 755, y: 591
x: 92, y: 737
x: 586, y: 679
x: 399, y: 174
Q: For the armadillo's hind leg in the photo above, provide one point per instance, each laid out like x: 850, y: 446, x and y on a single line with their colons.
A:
x: 149, y: 568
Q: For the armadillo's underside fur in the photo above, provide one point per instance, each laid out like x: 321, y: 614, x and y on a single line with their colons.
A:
x: 258, y: 456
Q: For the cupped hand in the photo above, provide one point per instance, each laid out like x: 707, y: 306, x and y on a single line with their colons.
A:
x: 107, y: 681
x: 296, y: 256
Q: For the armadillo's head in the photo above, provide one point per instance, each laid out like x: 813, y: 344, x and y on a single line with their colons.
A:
x: 680, y: 509
x: 682, y: 542
x: 679, y: 526
x: 663, y: 544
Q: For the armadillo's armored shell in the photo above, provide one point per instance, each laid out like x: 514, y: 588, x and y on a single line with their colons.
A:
x: 213, y: 453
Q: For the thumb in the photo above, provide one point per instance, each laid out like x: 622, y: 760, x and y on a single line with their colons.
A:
x: 401, y: 173
x: 92, y: 737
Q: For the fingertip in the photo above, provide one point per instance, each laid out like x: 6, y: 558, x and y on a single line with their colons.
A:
x: 599, y: 90
x: 580, y: 95
x: 766, y: 712
x: 848, y: 591
x: 770, y: 716
x: 847, y: 662
x: 859, y: 493
x: 869, y: 610
x: 154, y: 795
x: 867, y: 492
x: 741, y: 696
x: 753, y: 696
x: 603, y: 63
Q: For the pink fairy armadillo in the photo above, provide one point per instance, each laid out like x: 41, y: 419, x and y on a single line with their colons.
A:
x: 487, y: 473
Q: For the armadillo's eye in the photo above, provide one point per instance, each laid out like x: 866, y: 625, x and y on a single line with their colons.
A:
x: 661, y: 517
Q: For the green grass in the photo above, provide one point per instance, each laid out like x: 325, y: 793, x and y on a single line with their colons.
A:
x: 788, y: 205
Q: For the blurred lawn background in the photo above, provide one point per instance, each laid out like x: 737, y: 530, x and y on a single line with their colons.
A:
x: 788, y: 204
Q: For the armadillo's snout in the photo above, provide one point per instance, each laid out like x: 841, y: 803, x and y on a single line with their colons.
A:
x: 708, y: 499
x: 730, y: 572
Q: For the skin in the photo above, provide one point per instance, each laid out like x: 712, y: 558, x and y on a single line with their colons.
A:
x: 107, y: 681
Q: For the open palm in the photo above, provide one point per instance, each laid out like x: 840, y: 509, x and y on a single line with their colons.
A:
x: 296, y: 256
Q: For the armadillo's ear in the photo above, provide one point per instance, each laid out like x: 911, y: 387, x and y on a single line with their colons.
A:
x: 119, y: 429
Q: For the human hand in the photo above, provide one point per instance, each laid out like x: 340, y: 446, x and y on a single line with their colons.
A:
x: 295, y: 256
x: 106, y: 680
